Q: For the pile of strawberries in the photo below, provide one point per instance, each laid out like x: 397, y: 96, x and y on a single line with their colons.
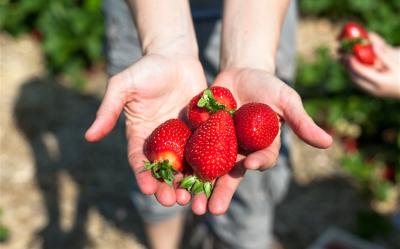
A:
x: 354, y: 40
x: 210, y: 151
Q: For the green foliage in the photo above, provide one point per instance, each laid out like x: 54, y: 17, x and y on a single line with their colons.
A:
x: 380, y: 16
x: 4, y: 231
x: 71, y: 31
x: 368, y: 174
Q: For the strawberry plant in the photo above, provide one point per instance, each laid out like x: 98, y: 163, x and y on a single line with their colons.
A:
x: 70, y: 31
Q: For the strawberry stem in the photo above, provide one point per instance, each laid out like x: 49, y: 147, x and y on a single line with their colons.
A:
x: 347, y: 44
x: 209, y: 102
x: 162, y: 170
x: 195, y: 186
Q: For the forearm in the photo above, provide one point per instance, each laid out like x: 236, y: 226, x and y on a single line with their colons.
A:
x: 250, y: 33
x: 165, y: 26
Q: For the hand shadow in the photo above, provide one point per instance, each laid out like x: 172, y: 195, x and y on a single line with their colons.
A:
x: 53, y: 119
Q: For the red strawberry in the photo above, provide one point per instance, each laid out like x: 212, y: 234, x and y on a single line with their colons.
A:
x: 257, y: 125
x: 211, y: 152
x: 165, y: 149
x: 350, y: 145
x: 364, y: 53
x: 352, y: 30
x: 209, y: 101
x: 389, y: 173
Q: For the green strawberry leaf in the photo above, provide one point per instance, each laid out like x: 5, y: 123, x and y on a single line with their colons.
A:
x: 207, y: 189
x: 187, y: 182
x: 197, y: 187
x: 209, y: 102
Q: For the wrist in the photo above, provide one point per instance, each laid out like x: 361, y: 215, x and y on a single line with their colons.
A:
x: 171, y: 45
x: 250, y: 62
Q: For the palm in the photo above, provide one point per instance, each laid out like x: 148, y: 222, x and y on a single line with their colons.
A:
x: 250, y: 85
x: 151, y: 91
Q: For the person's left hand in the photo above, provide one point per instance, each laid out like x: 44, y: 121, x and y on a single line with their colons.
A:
x: 253, y: 85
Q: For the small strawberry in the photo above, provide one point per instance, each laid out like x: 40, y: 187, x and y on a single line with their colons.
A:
x: 165, y: 149
x: 211, y: 152
x: 352, y: 30
x: 209, y: 101
x: 364, y: 53
x: 257, y: 125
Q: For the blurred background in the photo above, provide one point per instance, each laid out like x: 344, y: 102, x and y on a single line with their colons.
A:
x: 57, y: 191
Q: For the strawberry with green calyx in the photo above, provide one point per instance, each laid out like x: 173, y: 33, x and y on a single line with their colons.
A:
x: 347, y: 45
x: 211, y: 152
x: 352, y: 30
x: 354, y: 40
x: 209, y: 101
x: 165, y: 149
x: 364, y: 53
x: 257, y: 126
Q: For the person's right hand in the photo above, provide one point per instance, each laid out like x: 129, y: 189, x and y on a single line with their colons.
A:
x: 151, y: 91
x: 383, y: 78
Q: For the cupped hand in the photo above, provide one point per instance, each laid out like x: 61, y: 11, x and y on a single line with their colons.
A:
x: 383, y: 78
x: 253, y: 85
x: 151, y: 91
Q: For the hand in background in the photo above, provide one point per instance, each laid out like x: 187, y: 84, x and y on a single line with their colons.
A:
x: 382, y: 79
x: 253, y: 85
x: 152, y: 90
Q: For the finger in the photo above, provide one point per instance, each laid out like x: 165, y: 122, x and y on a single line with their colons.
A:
x: 145, y: 180
x: 366, y: 72
x: 108, y: 113
x: 166, y: 195
x: 199, y: 205
x: 224, y: 189
x: 376, y: 40
x: 386, y: 56
x: 363, y: 84
x: 264, y: 159
x: 183, y: 197
x: 301, y: 123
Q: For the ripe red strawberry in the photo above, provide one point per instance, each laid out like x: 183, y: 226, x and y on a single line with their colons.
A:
x: 165, y: 149
x: 364, y: 53
x: 211, y: 152
x: 257, y: 125
x: 350, y: 145
x: 354, y: 40
x: 209, y: 101
x: 352, y: 30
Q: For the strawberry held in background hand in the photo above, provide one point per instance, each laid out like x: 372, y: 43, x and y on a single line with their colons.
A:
x: 165, y: 149
x: 256, y: 125
x: 209, y: 101
x: 352, y: 30
x: 364, y: 53
x: 354, y: 40
x: 211, y: 152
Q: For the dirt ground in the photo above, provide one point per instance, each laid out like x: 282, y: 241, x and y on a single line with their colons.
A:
x: 57, y: 191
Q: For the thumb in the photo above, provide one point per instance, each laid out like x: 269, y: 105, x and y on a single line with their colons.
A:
x: 108, y: 112
x: 300, y: 122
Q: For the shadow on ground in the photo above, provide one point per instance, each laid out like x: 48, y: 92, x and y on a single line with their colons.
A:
x: 54, y: 118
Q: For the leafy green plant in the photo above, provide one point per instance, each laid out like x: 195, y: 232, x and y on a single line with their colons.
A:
x: 4, y: 231
x: 70, y: 31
